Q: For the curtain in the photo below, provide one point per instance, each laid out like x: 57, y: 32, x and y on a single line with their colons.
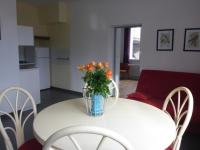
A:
x: 126, y: 45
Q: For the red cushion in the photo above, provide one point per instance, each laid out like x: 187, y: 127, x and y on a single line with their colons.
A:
x: 32, y: 144
x: 137, y: 96
x: 159, y: 83
x: 155, y: 102
x: 154, y: 86
x: 169, y: 148
x: 146, y: 99
x: 194, y: 126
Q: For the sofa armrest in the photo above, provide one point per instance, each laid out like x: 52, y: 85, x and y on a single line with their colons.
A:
x: 146, y: 99
x: 137, y: 96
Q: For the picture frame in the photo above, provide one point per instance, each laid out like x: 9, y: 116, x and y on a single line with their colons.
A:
x: 0, y: 28
x: 192, y: 40
x: 165, y: 40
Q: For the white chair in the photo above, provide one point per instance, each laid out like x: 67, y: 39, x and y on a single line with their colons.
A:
x: 114, y: 90
x: 70, y: 132
x: 17, y: 99
x: 181, y: 102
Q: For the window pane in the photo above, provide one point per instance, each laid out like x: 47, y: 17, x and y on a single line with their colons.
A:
x: 135, y: 43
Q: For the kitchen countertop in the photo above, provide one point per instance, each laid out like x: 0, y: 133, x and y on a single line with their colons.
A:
x: 29, y: 69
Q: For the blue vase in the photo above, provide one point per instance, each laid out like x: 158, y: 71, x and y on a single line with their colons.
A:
x: 97, y: 102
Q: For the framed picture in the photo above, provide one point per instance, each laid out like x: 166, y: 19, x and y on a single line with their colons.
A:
x: 192, y: 39
x: 0, y: 29
x: 165, y: 39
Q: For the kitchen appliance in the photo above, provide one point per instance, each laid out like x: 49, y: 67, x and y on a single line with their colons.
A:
x: 43, y: 63
x: 26, y: 57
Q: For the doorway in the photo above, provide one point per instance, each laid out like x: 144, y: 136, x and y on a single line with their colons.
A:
x: 127, y: 50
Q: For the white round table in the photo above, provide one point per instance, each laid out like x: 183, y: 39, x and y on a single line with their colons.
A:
x: 144, y: 126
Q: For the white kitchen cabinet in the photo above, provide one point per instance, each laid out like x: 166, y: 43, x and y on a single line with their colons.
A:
x: 43, y: 63
x: 25, y: 36
x: 30, y: 80
x: 60, y: 68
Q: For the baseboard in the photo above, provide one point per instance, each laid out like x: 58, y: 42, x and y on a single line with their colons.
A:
x: 45, y: 89
x: 69, y: 91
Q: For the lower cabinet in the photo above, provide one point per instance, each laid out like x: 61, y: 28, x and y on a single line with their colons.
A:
x: 30, y: 80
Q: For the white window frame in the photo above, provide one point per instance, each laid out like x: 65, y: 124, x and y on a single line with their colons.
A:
x: 131, y: 43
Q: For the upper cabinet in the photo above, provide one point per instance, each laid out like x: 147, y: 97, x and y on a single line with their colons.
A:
x: 25, y: 36
x: 54, y: 13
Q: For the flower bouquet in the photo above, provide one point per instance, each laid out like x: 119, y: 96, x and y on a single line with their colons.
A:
x: 97, y: 77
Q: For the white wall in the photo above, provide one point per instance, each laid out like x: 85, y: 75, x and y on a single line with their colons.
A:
x: 92, y: 34
x: 9, y: 65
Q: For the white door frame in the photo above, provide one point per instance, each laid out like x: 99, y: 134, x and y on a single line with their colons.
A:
x: 116, y: 53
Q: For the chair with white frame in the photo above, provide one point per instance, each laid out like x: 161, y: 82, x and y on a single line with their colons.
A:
x: 181, y: 101
x: 17, y: 99
x: 72, y: 131
x: 114, y: 90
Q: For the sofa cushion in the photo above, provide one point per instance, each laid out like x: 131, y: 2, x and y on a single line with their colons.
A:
x: 154, y: 86
x: 194, y: 126
x: 137, y: 96
x: 146, y: 99
x: 159, y: 84
x: 170, y: 147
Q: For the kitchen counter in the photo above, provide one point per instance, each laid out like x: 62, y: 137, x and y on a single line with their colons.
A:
x: 29, y: 69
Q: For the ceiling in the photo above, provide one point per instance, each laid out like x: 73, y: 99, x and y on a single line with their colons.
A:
x: 41, y: 1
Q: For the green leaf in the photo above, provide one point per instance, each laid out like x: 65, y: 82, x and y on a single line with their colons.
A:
x: 97, y: 82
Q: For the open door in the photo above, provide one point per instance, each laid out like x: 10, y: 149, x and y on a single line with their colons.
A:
x: 127, y: 58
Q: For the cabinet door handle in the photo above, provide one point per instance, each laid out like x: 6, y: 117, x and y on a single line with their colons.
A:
x: 60, y: 58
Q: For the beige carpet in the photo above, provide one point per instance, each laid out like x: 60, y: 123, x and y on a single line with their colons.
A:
x: 126, y: 87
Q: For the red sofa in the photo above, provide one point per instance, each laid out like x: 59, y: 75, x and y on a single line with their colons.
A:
x: 154, y: 86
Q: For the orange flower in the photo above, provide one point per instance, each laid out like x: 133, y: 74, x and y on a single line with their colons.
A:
x: 99, y: 65
x: 106, y: 64
x: 89, y: 67
x: 108, y: 74
x: 93, y: 63
x: 81, y: 67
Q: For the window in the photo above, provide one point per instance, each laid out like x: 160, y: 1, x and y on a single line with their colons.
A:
x: 134, y: 49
